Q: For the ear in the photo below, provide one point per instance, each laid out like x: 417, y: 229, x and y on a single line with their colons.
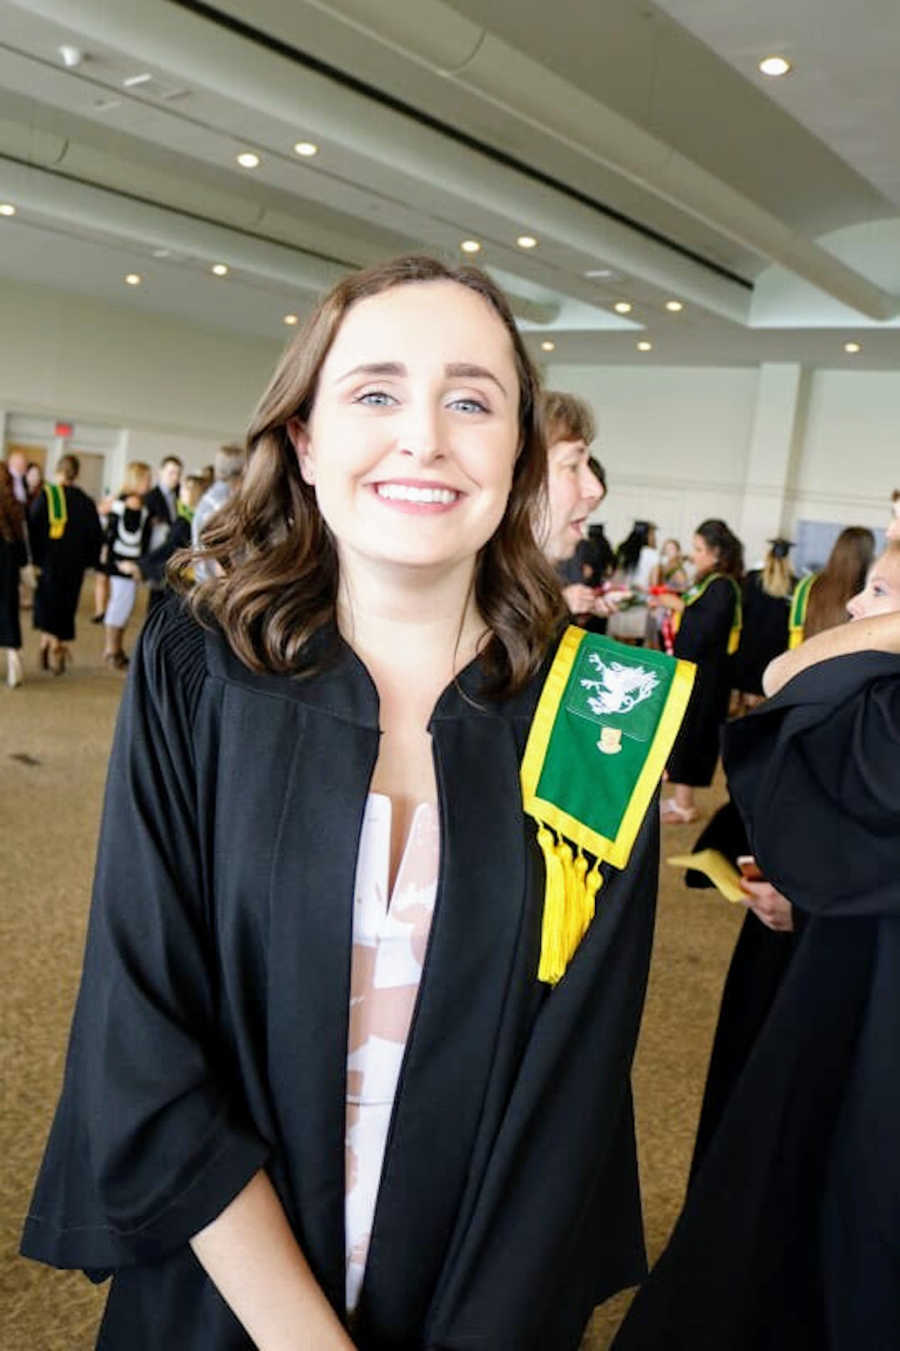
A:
x: 300, y: 440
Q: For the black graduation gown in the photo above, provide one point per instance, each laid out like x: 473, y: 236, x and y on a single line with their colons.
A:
x: 63, y: 561
x: 760, y: 959
x: 703, y: 639
x: 210, y: 1033
x: 13, y: 557
x: 764, y: 634
x: 790, y: 1235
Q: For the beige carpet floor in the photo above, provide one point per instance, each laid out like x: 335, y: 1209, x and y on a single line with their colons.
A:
x: 54, y: 741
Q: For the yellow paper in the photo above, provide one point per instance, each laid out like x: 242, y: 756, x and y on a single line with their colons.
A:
x: 723, y: 875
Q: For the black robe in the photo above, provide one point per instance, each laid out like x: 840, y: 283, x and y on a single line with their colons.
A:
x: 63, y: 561
x: 760, y: 959
x: 210, y: 1034
x: 13, y: 557
x: 790, y: 1235
x: 764, y: 635
x: 703, y: 638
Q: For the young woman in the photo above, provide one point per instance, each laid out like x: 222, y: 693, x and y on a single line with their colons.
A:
x: 766, y: 605
x: 709, y: 625
x: 66, y: 538
x: 637, y: 565
x: 128, y: 533
x: 316, y: 1095
x: 820, y: 599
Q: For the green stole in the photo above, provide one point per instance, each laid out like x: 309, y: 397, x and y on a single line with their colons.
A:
x: 799, y: 605
x: 56, y: 510
x: 602, y: 732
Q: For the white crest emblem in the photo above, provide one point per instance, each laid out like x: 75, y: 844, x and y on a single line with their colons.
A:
x: 619, y: 688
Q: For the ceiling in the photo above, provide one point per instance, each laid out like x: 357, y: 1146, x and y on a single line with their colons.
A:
x: 637, y: 143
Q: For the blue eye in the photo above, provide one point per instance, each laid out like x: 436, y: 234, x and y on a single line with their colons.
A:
x: 376, y: 398
x: 469, y: 406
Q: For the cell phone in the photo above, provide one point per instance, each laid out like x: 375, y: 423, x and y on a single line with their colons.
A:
x: 749, y: 868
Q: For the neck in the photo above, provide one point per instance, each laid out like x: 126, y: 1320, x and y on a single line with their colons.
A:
x: 415, y: 625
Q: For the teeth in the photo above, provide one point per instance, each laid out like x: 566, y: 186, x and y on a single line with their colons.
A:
x: 401, y: 492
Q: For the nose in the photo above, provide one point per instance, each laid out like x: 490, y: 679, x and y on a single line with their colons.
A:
x: 853, y: 605
x: 588, y: 486
x: 421, y: 434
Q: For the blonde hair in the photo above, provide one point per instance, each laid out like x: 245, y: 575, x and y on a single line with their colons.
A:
x: 777, y: 578
x: 137, y: 478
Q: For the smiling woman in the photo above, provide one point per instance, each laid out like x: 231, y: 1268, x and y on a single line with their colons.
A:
x: 373, y: 406
x: 350, y: 1062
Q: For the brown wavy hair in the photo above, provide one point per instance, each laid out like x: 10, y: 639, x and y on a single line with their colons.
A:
x: 843, y: 575
x: 12, y: 515
x: 276, y: 560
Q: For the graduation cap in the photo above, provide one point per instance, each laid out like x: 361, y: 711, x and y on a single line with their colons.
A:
x: 781, y: 547
x: 602, y: 732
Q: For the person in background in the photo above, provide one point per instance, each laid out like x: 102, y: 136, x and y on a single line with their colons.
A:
x: 790, y: 1233
x: 162, y: 500
x: 208, y: 476
x: 708, y: 616
x: 820, y: 599
x: 13, y: 557
x: 766, y: 601
x: 34, y: 481
x: 66, y: 538
x: 637, y: 569
x: 151, y: 567
x: 230, y: 464
x: 574, y: 490
x: 128, y: 534
x: 672, y: 571
x: 17, y: 465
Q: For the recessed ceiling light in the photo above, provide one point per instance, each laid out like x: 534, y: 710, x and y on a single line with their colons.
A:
x: 306, y: 148
x: 622, y: 307
x: 527, y: 242
x: 247, y: 160
x: 601, y: 273
x: 70, y: 56
x: 548, y: 346
x: 7, y: 209
x: 291, y: 319
x: 674, y: 306
x: 645, y: 346
x: 134, y: 80
x: 470, y: 246
x: 220, y: 269
x: 775, y: 65
x: 852, y: 347
x: 133, y: 279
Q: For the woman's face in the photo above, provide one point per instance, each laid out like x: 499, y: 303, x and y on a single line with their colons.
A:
x: 702, y: 556
x: 573, y: 492
x: 33, y: 477
x: 881, y: 593
x: 670, y: 550
x: 415, y: 427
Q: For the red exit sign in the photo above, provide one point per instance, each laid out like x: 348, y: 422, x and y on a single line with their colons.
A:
x: 64, y: 429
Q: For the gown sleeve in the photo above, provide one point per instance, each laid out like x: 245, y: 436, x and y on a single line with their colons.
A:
x: 816, y: 775
x: 706, y: 624
x: 150, y: 1140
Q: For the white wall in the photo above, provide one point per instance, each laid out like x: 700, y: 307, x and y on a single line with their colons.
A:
x: 166, y: 386
x: 850, y: 462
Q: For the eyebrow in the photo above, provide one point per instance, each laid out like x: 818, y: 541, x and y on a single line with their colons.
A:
x: 456, y: 370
